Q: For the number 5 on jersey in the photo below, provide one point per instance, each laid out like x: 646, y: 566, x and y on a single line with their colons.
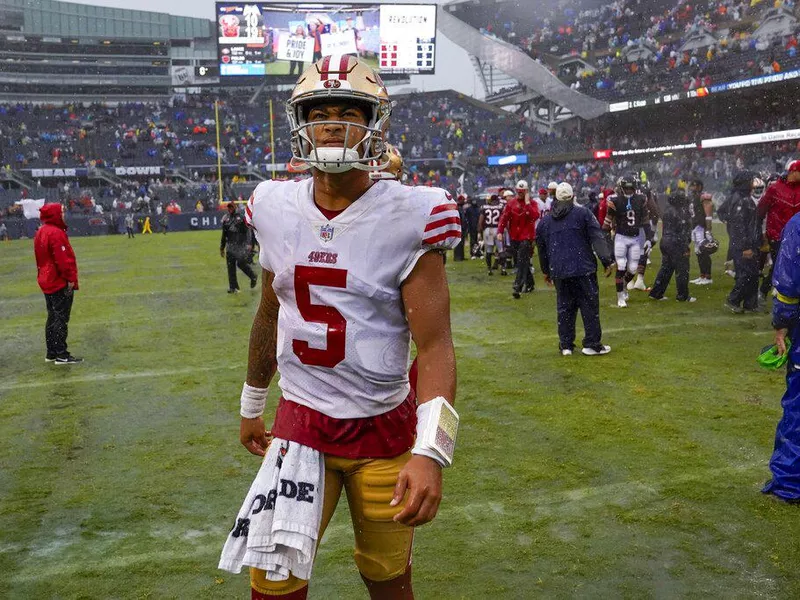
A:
x: 334, y: 353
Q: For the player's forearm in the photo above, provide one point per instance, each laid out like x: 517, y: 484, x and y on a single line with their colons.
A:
x: 262, y: 356
x: 437, y: 371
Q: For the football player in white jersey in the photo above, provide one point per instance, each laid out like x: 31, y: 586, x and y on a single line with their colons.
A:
x: 394, y: 165
x: 352, y: 272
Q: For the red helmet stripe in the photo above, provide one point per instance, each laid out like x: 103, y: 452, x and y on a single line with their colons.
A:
x: 343, y: 62
x: 326, y: 65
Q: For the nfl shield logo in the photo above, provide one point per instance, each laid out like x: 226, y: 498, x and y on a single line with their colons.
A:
x: 326, y: 233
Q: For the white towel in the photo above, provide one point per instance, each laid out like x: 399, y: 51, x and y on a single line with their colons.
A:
x: 277, y: 527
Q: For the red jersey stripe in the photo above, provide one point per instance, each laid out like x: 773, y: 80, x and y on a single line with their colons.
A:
x: 443, y: 207
x: 442, y: 222
x: 453, y: 233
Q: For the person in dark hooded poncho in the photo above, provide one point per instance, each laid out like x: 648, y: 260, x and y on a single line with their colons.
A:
x: 568, y: 239
x: 675, y: 239
x: 785, y: 461
x: 745, y: 241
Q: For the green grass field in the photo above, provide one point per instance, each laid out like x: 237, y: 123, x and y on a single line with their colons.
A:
x: 634, y: 475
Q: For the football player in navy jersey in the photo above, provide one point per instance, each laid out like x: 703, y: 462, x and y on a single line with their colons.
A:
x: 487, y: 226
x: 653, y: 211
x: 628, y: 217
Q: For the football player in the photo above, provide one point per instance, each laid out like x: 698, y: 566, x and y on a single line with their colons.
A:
x: 394, y: 165
x: 544, y: 202
x: 627, y: 215
x: 487, y: 224
x: 352, y: 272
x: 652, y: 210
x: 701, y: 208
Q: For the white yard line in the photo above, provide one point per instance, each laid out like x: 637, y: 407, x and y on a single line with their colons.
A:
x: 561, y: 503
x: 19, y: 385
x: 91, y: 296
x: 614, y: 330
x: 121, y: 563
x: 121, y: 320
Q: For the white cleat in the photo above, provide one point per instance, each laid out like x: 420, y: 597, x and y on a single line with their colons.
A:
x: 698, y: 281
x: 600, y: 350
x: 706, y: 282
x: 631, y: 284
x: 730, y: 273
x: 566, y: 352
x: 621, y: 303
x: 639, y: 284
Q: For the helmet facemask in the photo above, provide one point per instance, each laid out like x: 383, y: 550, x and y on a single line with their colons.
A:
x: 367, y: 154
x: 757, y: 189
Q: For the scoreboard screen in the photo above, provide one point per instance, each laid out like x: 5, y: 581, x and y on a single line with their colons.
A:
x: 264, y: 39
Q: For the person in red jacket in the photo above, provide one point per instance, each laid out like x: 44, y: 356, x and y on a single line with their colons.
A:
x: 779, y: 203
x: 58, y: 279
x: 520, y: 216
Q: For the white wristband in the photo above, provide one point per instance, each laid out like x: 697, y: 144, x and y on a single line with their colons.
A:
x: 437, y: 428
x: 253, y: 401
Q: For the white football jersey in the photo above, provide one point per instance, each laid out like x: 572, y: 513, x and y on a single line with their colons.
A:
x: 343, y: 339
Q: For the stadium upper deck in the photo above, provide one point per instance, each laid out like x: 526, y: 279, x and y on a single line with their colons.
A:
x: 53, y: 50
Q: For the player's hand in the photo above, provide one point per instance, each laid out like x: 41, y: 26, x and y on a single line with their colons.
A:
x: 222, y: 253
x: 548, y: 280
x: 422, y: 479
x: 780, y: 340
x: 747, y: 254
x: 254, y: 436
x: 648, y: 245
x: 70, y: 287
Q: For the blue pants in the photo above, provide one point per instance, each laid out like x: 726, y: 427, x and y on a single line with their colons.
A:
x: 573, y: 294
x: 785, y: 461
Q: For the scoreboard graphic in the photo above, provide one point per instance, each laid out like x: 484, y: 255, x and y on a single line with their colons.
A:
x: 266, y: 39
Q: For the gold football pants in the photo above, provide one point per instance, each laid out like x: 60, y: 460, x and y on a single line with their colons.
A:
x: 383, y: 547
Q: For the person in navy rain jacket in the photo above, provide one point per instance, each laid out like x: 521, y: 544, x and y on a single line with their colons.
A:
x: 568, y: 239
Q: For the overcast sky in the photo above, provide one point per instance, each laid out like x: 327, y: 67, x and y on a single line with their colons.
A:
x: 453, y: 69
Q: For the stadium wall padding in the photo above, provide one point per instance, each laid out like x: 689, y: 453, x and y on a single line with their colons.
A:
x: 109, y: 224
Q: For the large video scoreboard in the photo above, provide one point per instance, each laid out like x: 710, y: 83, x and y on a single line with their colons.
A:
x: 260, y: 39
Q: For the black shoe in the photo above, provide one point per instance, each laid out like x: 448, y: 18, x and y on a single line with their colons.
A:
x: 503, y: 272
x: 490, y: 272
x: 68, y: 360
x: 253, y: 282
x: 233, y: 291
x: 527, y: 290
x: 737, y: 310
x: 515, y: 294
x: 50, y: 358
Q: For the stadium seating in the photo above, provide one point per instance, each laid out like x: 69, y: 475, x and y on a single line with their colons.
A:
x: 602, y: 36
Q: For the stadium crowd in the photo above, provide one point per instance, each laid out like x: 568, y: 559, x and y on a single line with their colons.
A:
x: 633, y: 48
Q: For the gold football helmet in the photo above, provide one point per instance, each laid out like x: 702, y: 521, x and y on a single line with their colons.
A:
x: 394, y: 164
x: 347, y: 79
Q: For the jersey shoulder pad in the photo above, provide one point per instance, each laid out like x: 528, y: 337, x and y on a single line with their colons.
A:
x: 441, y: 225
x: 265, y: 198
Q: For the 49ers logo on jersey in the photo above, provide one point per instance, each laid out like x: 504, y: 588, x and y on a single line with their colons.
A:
x: 332, y: 84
